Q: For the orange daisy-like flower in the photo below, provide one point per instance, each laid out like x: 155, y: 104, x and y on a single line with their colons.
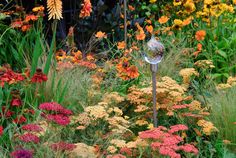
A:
x: 17, y: 24
x: 200, y: 35
x: 86, y: 10
x: 100, y: 35
x: 132, y: 72
x: 38, y: 9
x: 149, y: 29
x: 60, y: 55
x: 31, y: 17
x: 187, y: 21
x: 25, y: 28
x: 121, y: 45
x: 140, y: 35
x: 163, y: 19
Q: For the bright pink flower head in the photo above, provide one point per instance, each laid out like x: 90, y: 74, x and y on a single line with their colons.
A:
x: 16, y: 102
x: 51, y: 106
x: 59, y: 119
x: 29, y: 137
x: 116, y: 156
x: 63, y: 146
x: 177, y: 128
x: 32, y: 127
x: 169, y: 152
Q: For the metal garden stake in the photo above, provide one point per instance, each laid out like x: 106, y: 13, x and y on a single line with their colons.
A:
x: 153, y: 55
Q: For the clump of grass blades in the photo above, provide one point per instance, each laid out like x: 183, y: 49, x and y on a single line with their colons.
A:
x: 223, y: 114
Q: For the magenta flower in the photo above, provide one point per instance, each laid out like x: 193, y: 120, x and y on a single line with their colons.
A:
x: 32, y: 127
x: 21, y: 153
x: 29, y: 137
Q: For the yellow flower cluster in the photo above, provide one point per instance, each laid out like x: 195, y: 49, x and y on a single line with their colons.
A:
x: 187, y: 73
x: 207, y: 127
x: 96, y: 112
x: 112, y: 97
x: 82, y: 150
x: 205, y: 64
x: 231, y: 81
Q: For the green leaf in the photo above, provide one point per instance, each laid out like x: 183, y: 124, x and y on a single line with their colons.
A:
x: 222, y: 53
x: 50, y: 55
x: 36, y: 54
x: 1, y: 96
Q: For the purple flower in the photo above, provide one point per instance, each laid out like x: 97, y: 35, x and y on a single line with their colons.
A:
x: 21, y: 153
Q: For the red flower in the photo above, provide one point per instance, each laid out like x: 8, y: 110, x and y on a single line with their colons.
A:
x: 39, y: 77
x: 16, y: 102
x: 1, y: 130
x: 29, y: 137
x: 20, y: 120
x: 63, y: 146
x: 6, y: 114
x: 32, y: 127
x: 59, y: 119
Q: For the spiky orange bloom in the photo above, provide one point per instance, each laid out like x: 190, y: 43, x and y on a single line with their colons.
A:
x: 121, y: 45
x: 200, y: 35
x: 100, y: 35
x: 187, y: 21
x: 54, y: 9
x: 86, y: 10
x: 25, y: 28
x: 163, y: 19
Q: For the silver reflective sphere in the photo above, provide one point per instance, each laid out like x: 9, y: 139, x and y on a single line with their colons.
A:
x: 154, y: 51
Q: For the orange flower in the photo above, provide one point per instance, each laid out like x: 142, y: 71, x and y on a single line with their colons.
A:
x: 86, y: 10
x: 199, y: 47
x: 25, y: 28
x: 31, y: 18
x: 148, y: 21
x: 121, y: 45
x: 100, y: 35
x: 38, y: 9
x: 163, y: 19
x: 187, y: 21
x: 132, y: 72
x: 131, y: 8
x: 140, y: 35
x: 89, y: 57
x: 149, y: 29
x: 200, y: 35
x: 17, y: 24
x: 60, y: 55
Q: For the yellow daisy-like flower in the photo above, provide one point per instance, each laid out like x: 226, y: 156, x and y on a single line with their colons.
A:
x: 152, y: 1
x: 189, y: 7
x: 177, y: 2
x: 178, y: 24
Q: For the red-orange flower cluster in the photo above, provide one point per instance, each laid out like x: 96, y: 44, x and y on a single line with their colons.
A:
x: 86, y: 10
x: 125, y: 70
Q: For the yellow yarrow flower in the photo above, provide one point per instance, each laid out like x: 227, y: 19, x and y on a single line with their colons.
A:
x: 177, y: 2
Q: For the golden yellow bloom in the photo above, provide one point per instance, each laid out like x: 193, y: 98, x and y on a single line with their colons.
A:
x: 207, y: 127
x: 178, y: 24
x: 152, y: 1
x: 234, y: 2
x: 189, y: 7
x: 187, y: 73
x: 177, y: 2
